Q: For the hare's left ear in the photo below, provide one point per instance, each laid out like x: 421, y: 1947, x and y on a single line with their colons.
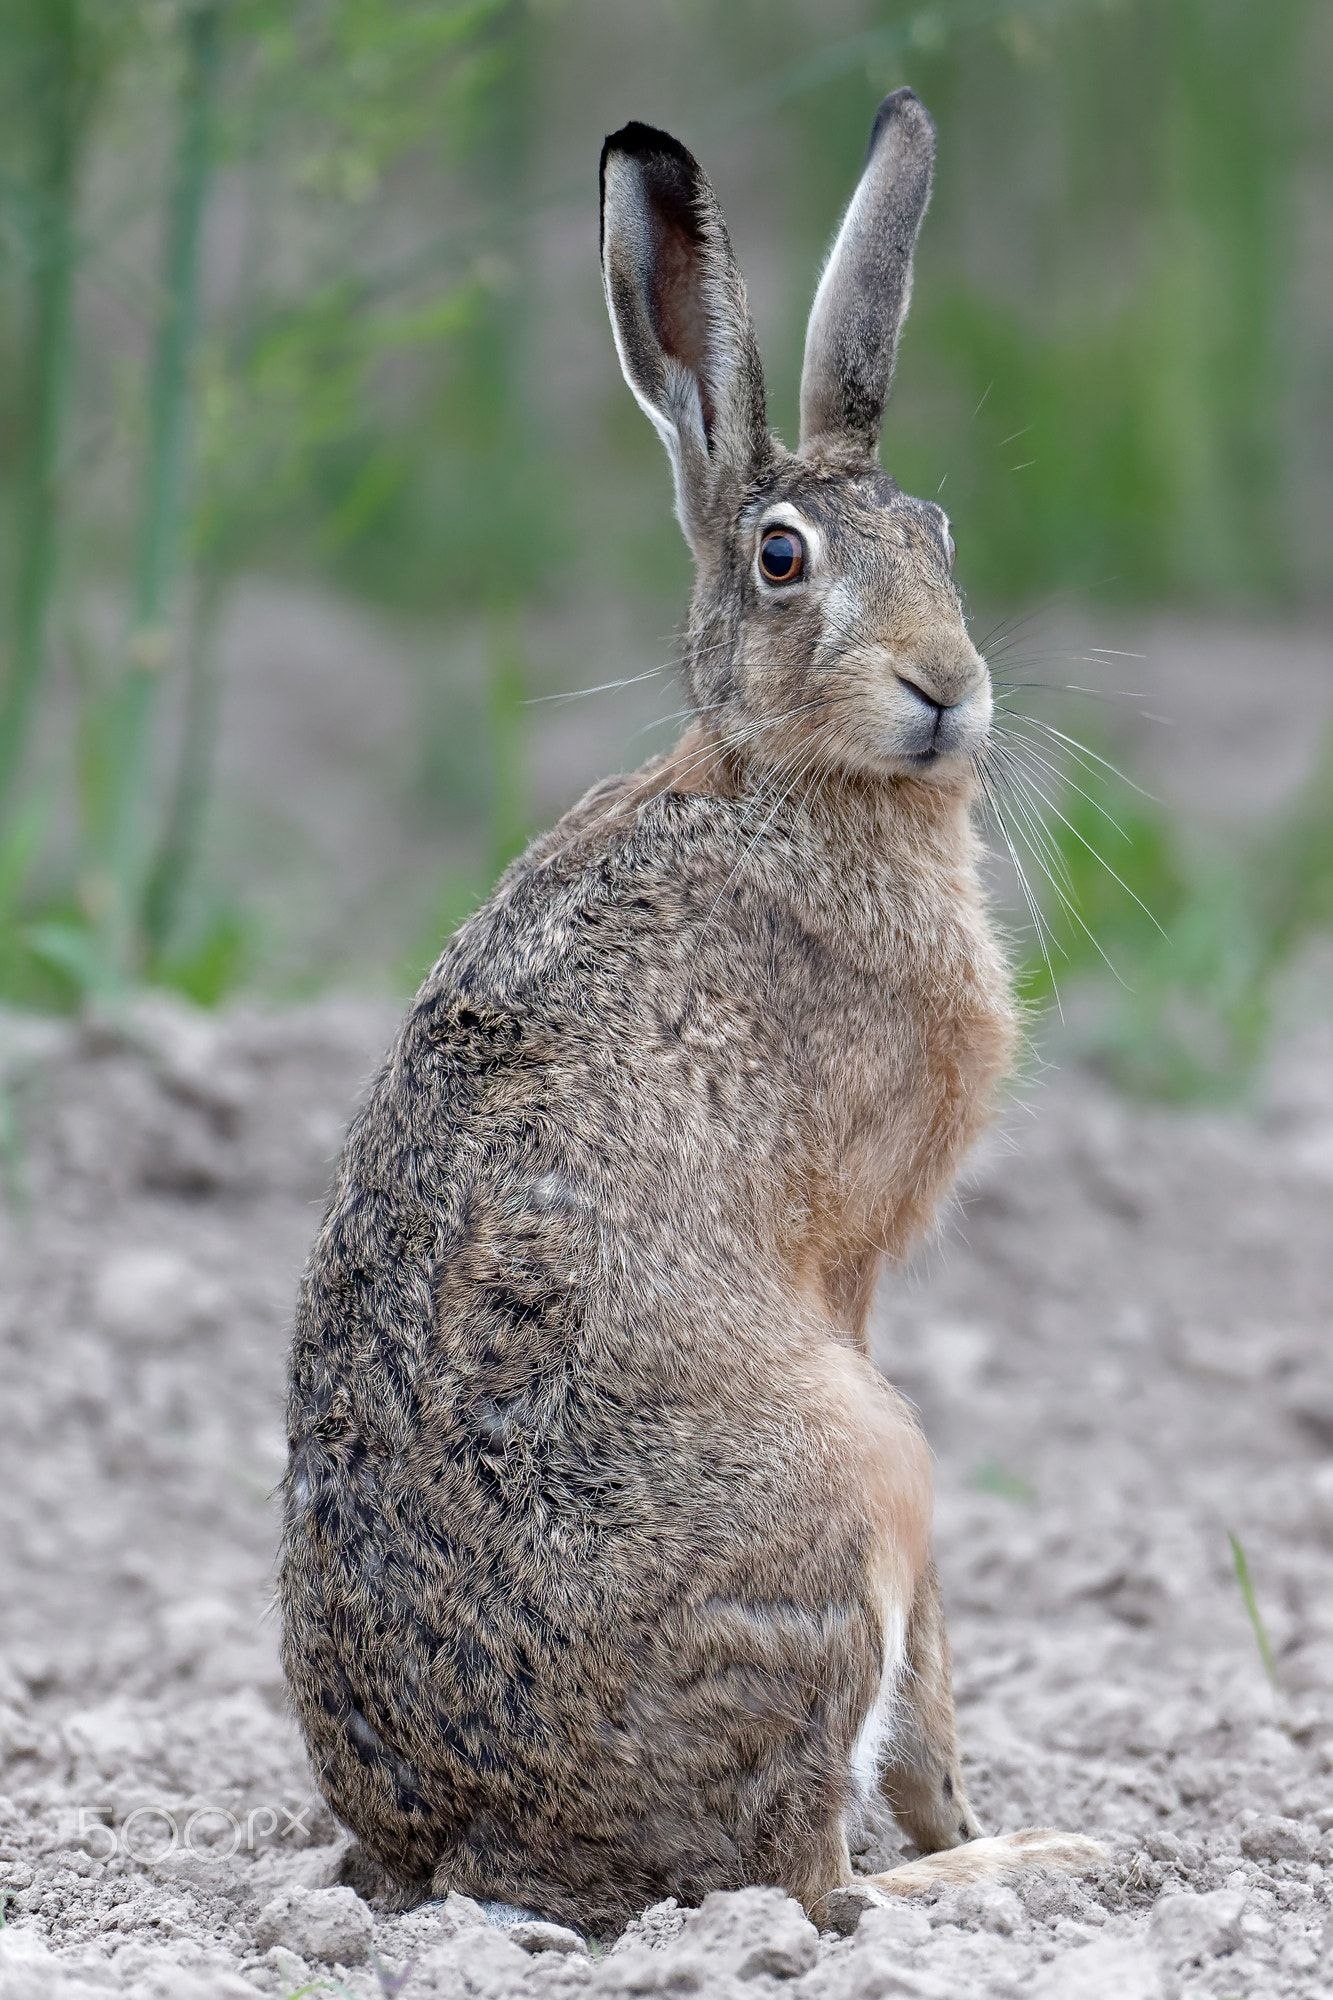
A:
x: 681, y: 323
x: 852, y: 338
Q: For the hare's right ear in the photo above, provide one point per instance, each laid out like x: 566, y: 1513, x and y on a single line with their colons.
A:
x: 681, y: 324
x: 852, y: 339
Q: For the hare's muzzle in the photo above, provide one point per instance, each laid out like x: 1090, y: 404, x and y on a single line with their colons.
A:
x: 943, y: 713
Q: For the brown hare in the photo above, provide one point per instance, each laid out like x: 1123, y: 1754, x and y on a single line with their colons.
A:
x: 607, y: 1567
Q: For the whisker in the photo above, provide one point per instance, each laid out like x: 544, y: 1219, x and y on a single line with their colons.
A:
x: 1014, y: 624
x: 1009, y: 688
x: 1096, y: 853
x: 1044, y: 939
x: 1066, y: 900
x: 1083, y: 753
x: 602, y: 687
x: 1053, y: 861
x: 1006, y: 767
x: 1015, y: 743
x: 1005, y: 653
x: 676, y: 715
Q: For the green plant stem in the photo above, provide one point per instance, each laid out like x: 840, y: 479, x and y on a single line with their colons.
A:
x: 178, y: 849
x: 48, y: 372
x: 161, y: 529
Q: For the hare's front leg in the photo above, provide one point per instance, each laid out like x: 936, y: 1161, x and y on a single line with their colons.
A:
x: 919, y: 1773
x: 920, y: 1779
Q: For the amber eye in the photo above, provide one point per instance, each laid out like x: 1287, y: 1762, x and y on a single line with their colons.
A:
x: 781, y: 555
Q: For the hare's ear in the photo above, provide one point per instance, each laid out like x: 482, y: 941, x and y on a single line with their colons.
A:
x: 862, y: 300
x: 680, y: 320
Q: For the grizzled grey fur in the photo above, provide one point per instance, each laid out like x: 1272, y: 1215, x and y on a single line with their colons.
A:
x: 606, y: 1572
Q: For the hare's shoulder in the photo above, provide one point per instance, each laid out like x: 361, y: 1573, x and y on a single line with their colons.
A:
x: 628, y: 865
x: 639, y: 821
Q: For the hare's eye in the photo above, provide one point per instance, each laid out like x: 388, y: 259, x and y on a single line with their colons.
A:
x: 781, y: 555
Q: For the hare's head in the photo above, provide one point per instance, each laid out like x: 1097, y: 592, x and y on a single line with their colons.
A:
x: 826, y: 630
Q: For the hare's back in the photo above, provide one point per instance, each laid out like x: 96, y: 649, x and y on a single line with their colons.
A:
x: 557, y: 1510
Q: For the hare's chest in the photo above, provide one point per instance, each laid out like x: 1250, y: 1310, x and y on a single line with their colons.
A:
x: 921, y: 1087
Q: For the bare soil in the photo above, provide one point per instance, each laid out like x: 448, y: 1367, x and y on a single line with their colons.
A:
x: 1121, y: 1348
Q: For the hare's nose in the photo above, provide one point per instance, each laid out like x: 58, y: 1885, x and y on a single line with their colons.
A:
x: 944, y: 673
x: 928, y: 701
x: 931, y: 709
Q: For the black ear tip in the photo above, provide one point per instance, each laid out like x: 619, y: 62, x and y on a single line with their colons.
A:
x: 643, y: 142
x: 901, y: 107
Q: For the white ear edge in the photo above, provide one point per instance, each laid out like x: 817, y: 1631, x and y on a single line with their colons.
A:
x: 678, y: 418
x: 678, y: 421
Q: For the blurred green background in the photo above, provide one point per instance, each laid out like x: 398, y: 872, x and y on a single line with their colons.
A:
x: 318, y: 477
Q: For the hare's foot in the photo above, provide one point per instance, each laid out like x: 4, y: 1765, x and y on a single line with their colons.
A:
x: 822, y: 1865
x: 919, y: 1775
x: 994, y: 1860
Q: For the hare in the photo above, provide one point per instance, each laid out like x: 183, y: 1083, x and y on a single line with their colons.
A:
x: 607, y: 1564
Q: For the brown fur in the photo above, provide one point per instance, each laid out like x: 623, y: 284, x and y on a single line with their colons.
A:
x: 600, y: 1522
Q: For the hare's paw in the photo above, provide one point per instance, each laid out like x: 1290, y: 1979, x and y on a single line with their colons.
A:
x: 994, y: 1860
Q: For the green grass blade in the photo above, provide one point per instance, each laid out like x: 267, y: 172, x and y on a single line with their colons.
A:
x: 1246, y: 1582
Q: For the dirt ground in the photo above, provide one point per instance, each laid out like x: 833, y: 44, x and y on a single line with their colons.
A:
x: 1121, y: 1349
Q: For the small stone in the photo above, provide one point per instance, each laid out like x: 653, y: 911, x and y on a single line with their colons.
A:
x: 291, y: 1970
x: 842, y: 1909
x: 755, y: 1933
x: 892, y: 1928
x: 1110, y: 1969
x: 535, y: 1935
x: 660, y: 1924
x: 987, y: 1906
x: 1273, y: 1838
x: 679, y: 1969
x: 330, y: 1926
x: 484, y: 1962
x: 1187, y: 1928
x: 464, y: 1912
x: 785, y: 1955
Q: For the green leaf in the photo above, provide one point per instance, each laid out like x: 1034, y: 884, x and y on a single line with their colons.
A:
x: 72, y: 950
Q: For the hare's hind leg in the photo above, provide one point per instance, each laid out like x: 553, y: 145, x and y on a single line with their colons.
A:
x: 994, y: 1859
x: 921, y: 1780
